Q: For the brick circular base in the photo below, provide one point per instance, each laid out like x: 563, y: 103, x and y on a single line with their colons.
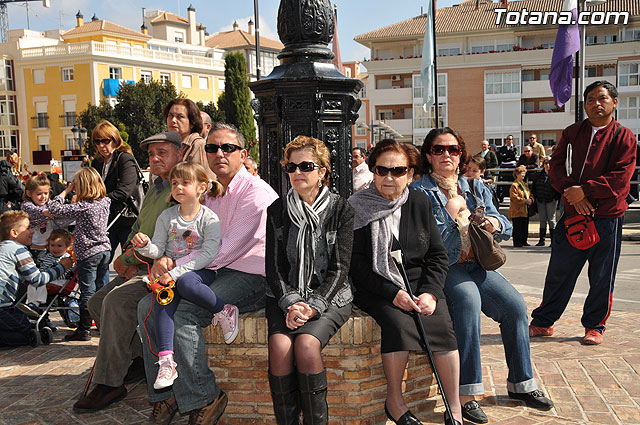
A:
x: 357, y: 386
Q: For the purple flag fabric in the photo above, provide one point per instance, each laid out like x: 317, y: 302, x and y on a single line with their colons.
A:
x: 567, y: 43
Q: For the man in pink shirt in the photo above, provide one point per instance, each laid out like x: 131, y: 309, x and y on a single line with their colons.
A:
x: 236, y: 275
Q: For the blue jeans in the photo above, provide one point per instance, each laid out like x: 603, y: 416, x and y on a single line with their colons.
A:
x: 93, y: 274
x: 196, y: 384
x: 565, y: 265
x: 471, y: 290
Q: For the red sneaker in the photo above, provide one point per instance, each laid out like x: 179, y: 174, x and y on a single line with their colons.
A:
x: 540, y: 331
x: 592, y: 337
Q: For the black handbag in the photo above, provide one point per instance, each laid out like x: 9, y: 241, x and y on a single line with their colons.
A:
x: 486, y: 250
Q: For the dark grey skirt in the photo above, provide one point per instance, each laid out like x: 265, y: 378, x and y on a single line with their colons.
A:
x: 398, y: 327
x: 322, y: 327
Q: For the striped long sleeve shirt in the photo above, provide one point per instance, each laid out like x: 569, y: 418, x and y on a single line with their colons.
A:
x: 16, y: 266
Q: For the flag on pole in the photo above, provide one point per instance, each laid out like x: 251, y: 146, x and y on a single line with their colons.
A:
x: 567, y: 43
x: 428, y: 66
x: 335, y: 46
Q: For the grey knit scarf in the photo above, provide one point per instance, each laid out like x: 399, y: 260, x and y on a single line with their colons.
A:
x: 307, y: 218
x: 371, y: 207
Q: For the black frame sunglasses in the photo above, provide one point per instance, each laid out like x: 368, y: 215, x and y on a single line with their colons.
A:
x: 225, y: 147
x: 304, y: 166
x: 395, y: 171
x: 105, y: 141
x: 454, y: 150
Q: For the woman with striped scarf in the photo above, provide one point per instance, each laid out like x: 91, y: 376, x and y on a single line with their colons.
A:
x: 308, y: 254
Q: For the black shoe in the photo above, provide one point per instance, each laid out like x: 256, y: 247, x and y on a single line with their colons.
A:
x: 517, y: 245
x: 525, y: 244
x: 472, y: 411
x: 448, y: 421
x: 99, y: 398
x: 135, y: 372
x: 407, y: 418
x: 535, y: 399
x: 78, y: 335
x: 540, y: 242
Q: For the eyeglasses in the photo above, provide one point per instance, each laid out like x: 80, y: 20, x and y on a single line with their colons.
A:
x: 532, y: 138
x: 304, y: 166
x: 101, y: 141
x: 527, y: 151
x: 454, y: 150
x: 225, y: 148
x: 395, y: 171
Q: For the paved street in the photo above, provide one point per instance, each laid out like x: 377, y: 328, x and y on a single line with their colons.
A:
x: 590, y: 385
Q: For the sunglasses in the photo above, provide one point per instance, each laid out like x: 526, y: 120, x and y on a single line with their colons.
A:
x: 454, y: 150
x: 395, y: 171
x: 225, y: 148
x: 101, y: 141
x: 304, y: 166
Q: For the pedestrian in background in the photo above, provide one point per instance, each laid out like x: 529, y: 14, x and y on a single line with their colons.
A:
x: 520, y: 200
x: 547, y: 200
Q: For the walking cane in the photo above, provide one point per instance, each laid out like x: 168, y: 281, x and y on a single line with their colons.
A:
x: 397, y: 257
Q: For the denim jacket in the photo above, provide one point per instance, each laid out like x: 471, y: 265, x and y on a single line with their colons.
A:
x: 448, y: 226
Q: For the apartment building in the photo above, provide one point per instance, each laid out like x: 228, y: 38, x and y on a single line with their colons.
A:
x: 238, y: 40
x: 47, y: 78
x: 493, y: 78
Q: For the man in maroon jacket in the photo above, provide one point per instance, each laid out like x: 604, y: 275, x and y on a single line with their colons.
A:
x: 592, y: 168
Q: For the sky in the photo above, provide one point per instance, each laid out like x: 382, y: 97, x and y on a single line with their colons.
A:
x: 354, y: 16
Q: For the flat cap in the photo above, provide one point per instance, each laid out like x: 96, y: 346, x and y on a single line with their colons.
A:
x: 166, y: 137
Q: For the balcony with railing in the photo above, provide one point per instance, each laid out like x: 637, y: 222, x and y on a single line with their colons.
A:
x: 96, y: 48
x: 68, y: 119
x: 41, y: 120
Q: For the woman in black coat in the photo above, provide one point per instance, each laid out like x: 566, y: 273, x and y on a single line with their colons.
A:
x: 308, y: 253
x: 389, y: 217
x: 119, y: 170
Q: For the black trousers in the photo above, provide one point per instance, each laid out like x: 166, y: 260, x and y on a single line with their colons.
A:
x: 520, y: 230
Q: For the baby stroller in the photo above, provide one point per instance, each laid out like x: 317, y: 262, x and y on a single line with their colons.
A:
x: 63, y: 299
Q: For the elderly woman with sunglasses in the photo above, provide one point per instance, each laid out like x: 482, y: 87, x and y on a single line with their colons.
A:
x: 469, y: 288
x: 308, y: 253
x: 115, y: 163
x: 391, y: 217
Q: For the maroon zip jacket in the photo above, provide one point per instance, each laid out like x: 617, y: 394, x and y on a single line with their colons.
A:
x: 606, y: 186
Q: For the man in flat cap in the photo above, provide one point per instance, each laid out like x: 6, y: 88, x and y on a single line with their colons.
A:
x: 114, y: 306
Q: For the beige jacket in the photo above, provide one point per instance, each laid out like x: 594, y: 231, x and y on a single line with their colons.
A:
x: 193, y: 150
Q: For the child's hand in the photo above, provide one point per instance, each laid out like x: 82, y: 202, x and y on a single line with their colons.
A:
x: 66, y: 262
x: 165, y: 279
x: 140, y: 239
x: 70, y: 188
x: 46, y: 213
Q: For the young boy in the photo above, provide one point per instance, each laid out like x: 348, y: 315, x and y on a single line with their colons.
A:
x: 16, y: 266
x: 58, y: 244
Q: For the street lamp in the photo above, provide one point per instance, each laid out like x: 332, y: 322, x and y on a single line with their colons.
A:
x: 583, y: 37
x: 80, y: 135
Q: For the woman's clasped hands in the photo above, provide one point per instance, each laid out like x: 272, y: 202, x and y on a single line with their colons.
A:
x: 298, y: 314
x: 424, y: 304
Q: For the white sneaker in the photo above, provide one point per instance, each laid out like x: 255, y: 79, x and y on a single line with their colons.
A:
x: 227, y: 318
x: 167, y: 372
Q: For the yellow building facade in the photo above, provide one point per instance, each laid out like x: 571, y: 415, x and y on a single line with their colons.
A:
x: 51, y: 77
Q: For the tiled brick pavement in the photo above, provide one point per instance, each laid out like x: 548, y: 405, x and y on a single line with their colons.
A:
x: 590, y: 385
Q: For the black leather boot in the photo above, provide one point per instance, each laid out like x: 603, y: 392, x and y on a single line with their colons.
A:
x: 543, y: 233
x: 286, y: 399
x: 82, y: 332
x: 313, y: 398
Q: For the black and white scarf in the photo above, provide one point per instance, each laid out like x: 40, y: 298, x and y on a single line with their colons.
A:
x: 307, y: 218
